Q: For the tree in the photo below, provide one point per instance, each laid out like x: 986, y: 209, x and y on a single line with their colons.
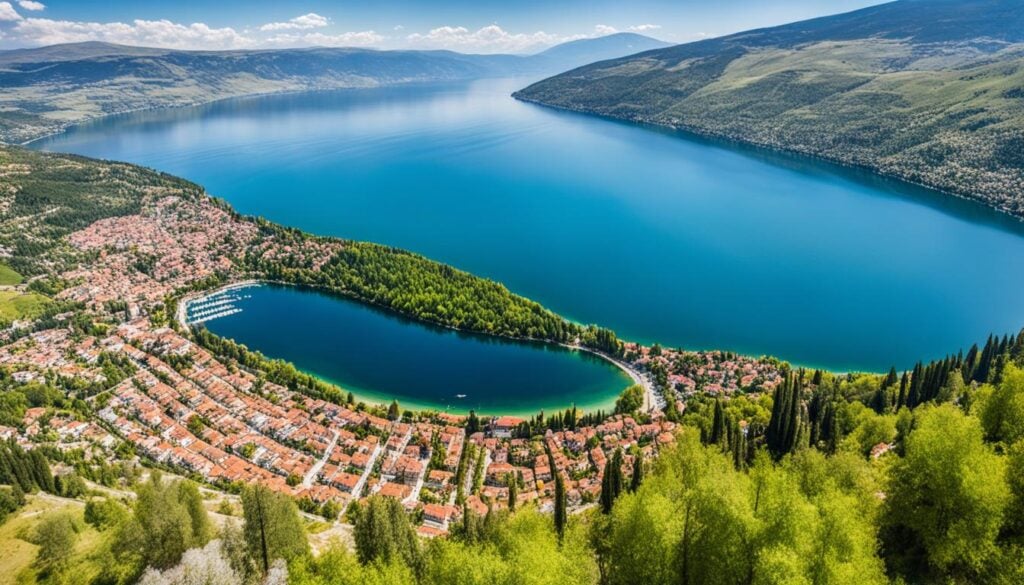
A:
x: 612, y: 483
x: 561, y: 516
x: 696, y: 519
x: 786, y: 425
x: 168, y: 519
x: 472, y: 423
x: 393, y: 411
x: 383, y: 533
x: 717, y: 424
x: 631, y: 400
x: 513, y: 491
x: 104, y: 513
x: 1003, y: 413
x: 945, y: 498
x: 56, y: 537
x: 273, y: 529
x: 638, y: 472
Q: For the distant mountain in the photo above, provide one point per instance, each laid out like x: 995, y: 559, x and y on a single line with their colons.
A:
x: 585, y: 51
x: 931, y: 91
x: 43, y: 90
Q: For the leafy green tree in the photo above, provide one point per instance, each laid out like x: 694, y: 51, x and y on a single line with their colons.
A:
x: 273, y: 529
x: 697, y: 519
x: 631, y: 400
x: 56, y: 536
x: 945, y: 498
x: 1003, y: 413
x: 383, y: 533
x: 104, y: 513
x: 168, y: 518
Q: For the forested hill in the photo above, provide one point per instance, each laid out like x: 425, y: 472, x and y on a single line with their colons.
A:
x: 44, y: 89
x: 931, y: 91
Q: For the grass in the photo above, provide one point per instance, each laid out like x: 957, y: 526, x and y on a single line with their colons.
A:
x: 18, y: 554
x: 8, y: 277
x: 16, y: 305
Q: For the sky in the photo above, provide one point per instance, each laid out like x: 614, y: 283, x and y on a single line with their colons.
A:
x: 469, y: 26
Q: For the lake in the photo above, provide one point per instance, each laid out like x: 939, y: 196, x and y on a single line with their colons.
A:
x: 380, y: 356
x: 660, y: 236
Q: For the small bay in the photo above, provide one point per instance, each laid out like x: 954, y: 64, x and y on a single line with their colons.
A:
x: 381, y: 357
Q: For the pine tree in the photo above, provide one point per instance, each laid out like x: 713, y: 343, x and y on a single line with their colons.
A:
x: 273, y: 529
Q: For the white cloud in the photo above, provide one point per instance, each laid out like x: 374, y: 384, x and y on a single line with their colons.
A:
x: 367, y: 38
x: 603, y: 29
x: 304, y: 22
x: 489, y: 39
x: 31, y: 5
x: 644, y: 27
x: 148, y: 33
x: 8, y: 13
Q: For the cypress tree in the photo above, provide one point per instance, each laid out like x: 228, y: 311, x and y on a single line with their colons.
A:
x: 891, y: 379
x: 513, y: 492
x: 901, y: 399
x: 560, y: 512
x: 718, y: 423
x: 638, y: 472
x: 916, y: 381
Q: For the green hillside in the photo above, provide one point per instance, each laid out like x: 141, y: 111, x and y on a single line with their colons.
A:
x: 928, y: 91
x: 43, y: 90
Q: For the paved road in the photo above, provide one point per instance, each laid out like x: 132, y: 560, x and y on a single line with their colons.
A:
x: 307, y: 481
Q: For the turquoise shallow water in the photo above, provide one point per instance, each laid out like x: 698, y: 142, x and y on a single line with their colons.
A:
x: 659, y: 236
x: 380, y: 356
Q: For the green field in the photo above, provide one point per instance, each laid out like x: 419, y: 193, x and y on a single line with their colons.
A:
x: 16, y: 305
x: 8, y: 277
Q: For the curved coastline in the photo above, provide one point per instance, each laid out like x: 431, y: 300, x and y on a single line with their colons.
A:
x: 652, y: 400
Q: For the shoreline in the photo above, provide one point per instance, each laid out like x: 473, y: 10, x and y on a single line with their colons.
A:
x: 651, y: 398
x: 696, y: 132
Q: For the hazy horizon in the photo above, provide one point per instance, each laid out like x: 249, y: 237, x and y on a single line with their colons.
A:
x: 485, y: 26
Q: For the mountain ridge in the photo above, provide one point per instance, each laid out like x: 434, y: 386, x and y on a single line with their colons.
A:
x: 926, y: 91
x: 48, y: 88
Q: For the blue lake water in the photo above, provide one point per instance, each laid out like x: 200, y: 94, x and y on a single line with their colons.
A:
x: 380, y: 356
x: 661, y: 237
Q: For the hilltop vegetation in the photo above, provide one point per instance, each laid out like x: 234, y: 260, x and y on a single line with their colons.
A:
x: 925, y: 90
